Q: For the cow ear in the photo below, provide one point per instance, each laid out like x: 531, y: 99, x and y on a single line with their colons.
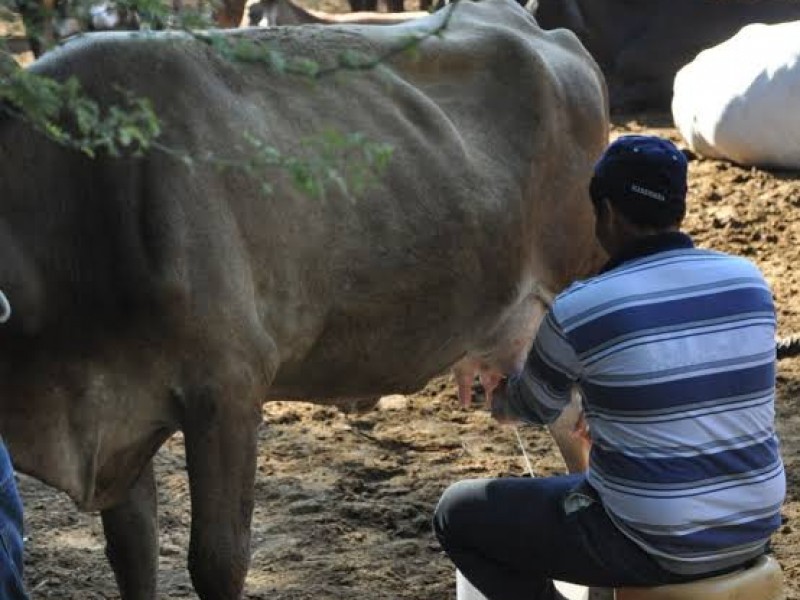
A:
x: 532, y: 6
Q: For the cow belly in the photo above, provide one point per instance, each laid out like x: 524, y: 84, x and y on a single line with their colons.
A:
x: 362, y: 356
x: 737, y: 101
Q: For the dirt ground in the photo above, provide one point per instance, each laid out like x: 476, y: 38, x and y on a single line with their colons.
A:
x: 343, y: 502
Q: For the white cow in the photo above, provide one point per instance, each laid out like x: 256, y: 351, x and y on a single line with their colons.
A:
x: 738, y: 100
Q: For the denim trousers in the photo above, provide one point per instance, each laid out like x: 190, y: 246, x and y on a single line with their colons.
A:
x: 512, y: 537
x: 11, y: 585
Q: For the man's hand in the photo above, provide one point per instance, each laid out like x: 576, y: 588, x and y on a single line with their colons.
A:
x: 581, y: 429
x: 499, y: 406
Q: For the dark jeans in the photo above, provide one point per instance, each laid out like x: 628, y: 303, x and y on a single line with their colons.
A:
x: 11, y: 587
x: 511, y: 537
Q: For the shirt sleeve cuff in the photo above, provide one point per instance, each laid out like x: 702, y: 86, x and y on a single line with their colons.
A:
x: 532, y: 407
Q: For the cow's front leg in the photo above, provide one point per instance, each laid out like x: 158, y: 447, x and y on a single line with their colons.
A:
x: 220, y: 433
x: 131, y: 530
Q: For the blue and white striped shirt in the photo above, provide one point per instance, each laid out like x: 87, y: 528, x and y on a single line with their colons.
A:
x: 673, y: 348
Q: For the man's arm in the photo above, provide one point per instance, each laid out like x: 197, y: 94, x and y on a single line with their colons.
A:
x: 543, y: 389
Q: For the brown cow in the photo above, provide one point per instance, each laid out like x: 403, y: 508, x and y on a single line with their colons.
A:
x: 640, y: 46
x: 270, y: 13
x: 372, y: 5
x: 149, y: 297
x: 50, y: 22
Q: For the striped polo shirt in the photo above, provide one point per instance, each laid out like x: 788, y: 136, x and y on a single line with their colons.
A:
x: 673, y: 349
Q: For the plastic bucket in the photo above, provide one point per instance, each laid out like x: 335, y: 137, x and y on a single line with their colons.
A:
x: 465, y: 590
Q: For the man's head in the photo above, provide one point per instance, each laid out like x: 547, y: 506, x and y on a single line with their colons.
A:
x: 638, y: 188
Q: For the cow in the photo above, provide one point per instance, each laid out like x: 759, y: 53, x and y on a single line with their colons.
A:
x: 372, y: 5
x: 640, y: 46
x: 150, y: 297
x: 746, y: 114
x: 50, y: 22
x: 271, y: 13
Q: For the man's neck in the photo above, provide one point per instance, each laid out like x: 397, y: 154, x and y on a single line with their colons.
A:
x: 646, y: 244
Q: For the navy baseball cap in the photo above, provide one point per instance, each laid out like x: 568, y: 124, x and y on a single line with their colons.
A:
x: 644, y: 177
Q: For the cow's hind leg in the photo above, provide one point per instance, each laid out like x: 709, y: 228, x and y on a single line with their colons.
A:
x: 131, y: 530
x: 220, y: 428
x: 363, y: 5
x: 395, y: 5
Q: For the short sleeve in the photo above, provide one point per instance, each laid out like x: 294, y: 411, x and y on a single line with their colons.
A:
x: 543, y: 389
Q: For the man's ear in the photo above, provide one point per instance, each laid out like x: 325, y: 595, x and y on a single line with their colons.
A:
x: 606, y: 215
x: 602, y: 209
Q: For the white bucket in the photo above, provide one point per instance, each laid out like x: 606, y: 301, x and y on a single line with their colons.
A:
x: 465, y: 590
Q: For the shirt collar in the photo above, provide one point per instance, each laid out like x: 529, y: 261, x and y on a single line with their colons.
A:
x: 651, y: 244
